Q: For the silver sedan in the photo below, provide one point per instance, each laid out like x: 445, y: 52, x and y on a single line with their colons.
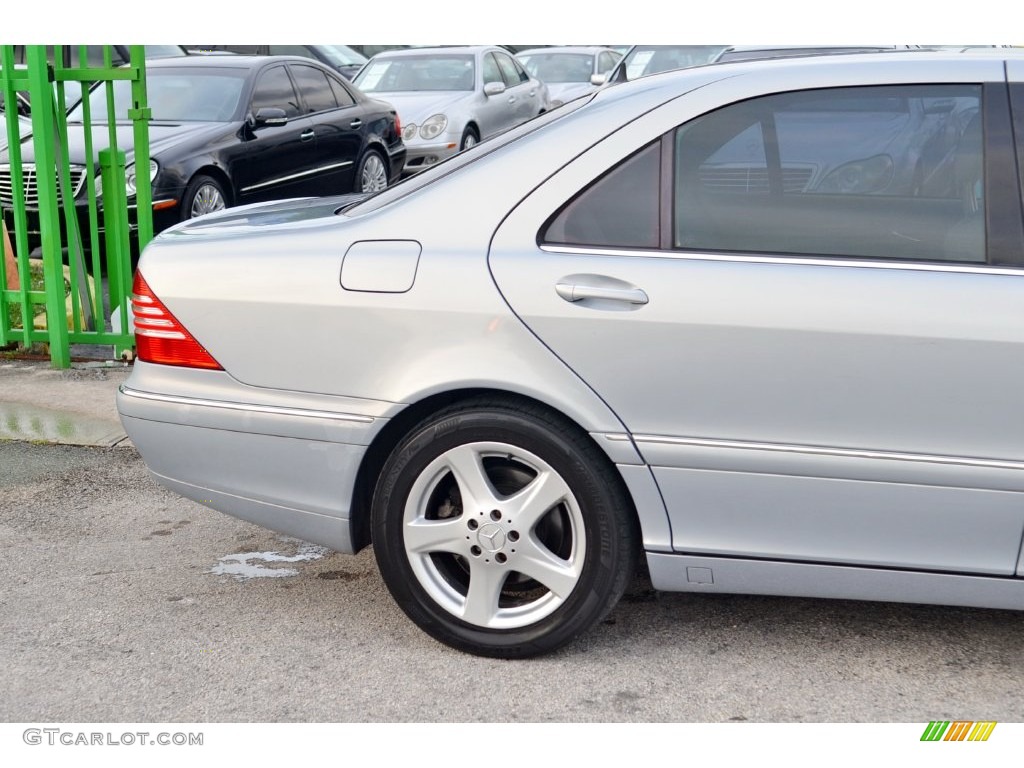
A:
x: 568, y: 70
x: 665, y: 336
x: 449, y: 99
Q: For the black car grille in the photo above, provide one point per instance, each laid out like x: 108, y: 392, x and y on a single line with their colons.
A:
x: 29, y: 179
x: 746, y: 179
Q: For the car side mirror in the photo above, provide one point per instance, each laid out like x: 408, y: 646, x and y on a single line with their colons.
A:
x: 269, y: 116
x: 494, y: 89
x: 598, y: 79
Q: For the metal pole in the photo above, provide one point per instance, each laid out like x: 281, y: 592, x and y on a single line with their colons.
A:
x: 40, y: 78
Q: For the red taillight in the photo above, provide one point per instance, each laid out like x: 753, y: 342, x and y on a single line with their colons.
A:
x: 398, y: 126
x: 159, y: 337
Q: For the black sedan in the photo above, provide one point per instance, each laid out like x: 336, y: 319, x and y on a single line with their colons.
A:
x: 241, y: 129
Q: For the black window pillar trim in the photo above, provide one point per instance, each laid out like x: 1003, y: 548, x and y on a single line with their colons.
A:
x: 1016, y: 92
x: 666, y: 194
x: 1004, y: 228
x: 772, y: 153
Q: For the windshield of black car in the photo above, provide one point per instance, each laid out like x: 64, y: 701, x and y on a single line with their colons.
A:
x: 342, y: 56
x: 650, y: 59
x: 176, y: 95
x: 453, y: 163
x: 559, y: 67
x: 421, y: 72
x: 164, y: 51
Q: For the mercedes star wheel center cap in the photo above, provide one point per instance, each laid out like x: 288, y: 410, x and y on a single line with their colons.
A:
x: 491, y: 537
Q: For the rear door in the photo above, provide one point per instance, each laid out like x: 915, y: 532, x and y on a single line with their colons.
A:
x: 813, y: 342
x: 338, y: 127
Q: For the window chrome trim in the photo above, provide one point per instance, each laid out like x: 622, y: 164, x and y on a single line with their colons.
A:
x: 297, y: 175
x: 275, y: 410
x: 815, y: 450
x: 807, y: 261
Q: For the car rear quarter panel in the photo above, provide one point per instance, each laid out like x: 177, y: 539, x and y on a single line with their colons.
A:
x: 260, y: 288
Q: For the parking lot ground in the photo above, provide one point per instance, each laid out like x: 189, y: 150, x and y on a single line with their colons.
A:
x: 126, y: 603
x: 74, y: 406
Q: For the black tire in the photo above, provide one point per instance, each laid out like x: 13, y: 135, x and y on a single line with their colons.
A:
x: 204, y: 194
x: 471, y: 561
x: 372, y: 173
x: 470, y: 137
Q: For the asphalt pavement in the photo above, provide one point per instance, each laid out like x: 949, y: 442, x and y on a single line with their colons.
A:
x: 124, y: 602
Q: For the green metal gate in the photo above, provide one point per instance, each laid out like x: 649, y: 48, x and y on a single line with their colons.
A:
x: 79, y: 213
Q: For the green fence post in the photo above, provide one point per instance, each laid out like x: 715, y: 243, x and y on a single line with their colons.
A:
x: 115, y: 227
x: 40, y: 92
x: 14, y: 80
x: 140, y: 114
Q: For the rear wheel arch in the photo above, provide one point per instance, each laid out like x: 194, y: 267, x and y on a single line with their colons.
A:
x: 407, y: 420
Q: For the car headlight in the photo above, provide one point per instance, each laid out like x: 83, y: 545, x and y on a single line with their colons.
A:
x: 433, y: 126
x: 409, y: 132
x: 860, y: 177
x: 129, y: 178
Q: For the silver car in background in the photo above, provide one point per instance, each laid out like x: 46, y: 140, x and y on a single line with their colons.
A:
x: 644, y: 60
x: 568, y: 70
x: 662, y: 322
x: 451, y: 98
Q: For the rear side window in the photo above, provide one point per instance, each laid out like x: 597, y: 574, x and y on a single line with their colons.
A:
x: 621, y: 209
x: 523, y: 77
x: 881, y: 172
x: 341, y: 94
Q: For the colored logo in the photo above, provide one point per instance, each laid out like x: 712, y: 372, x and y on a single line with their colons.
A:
x: 958, y: 730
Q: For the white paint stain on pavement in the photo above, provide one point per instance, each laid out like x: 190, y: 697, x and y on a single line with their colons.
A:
x: 247, y: 565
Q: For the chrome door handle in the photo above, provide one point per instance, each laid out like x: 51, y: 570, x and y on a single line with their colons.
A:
x: 573, y: 292
x: 307, y: 134
x: 355, y: 123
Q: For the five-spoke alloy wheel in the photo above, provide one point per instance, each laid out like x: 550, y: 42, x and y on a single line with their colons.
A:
x: 501, y: 530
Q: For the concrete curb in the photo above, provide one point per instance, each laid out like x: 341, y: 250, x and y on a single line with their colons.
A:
x: 73, y: 407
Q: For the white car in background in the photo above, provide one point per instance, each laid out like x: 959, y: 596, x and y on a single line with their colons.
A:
x: 567, y: 70
x: 449, y: 99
